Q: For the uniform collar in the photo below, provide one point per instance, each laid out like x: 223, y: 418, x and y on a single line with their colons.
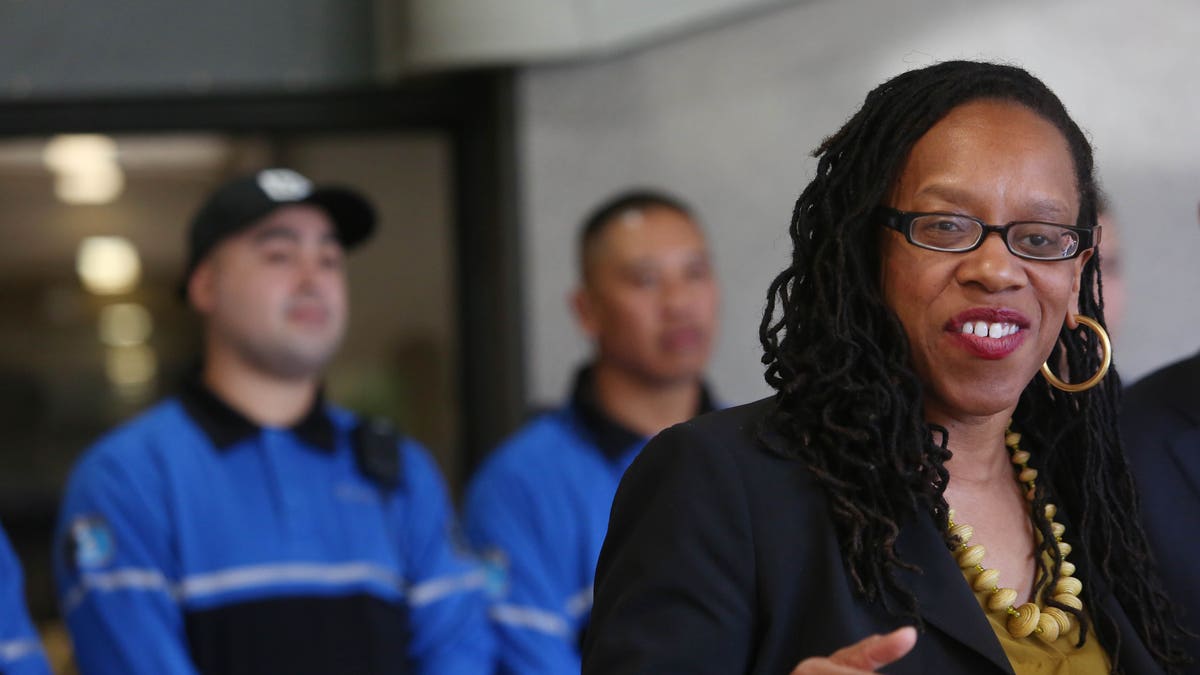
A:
x: 226, y: 427
x: 610, y: 436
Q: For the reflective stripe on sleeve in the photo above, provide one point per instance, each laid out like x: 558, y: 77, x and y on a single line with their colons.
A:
x: 437, y: 588
x: 130, y: 578
x: 260, y: 576
x: 251, y: 577
x: 531, y: 618
x: 15, y: 650
x: 580, y: 603
x: 254, y: 577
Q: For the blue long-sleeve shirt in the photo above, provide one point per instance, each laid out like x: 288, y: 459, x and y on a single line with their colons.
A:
x: 20, y: 649
x: 192, y: 541
x: 538, y: 508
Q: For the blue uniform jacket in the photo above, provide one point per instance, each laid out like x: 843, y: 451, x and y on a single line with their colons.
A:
x: 538, y: 508
x: 191, y: 540
x: 20, y: 650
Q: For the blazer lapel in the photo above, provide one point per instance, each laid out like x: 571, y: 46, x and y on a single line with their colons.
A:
x: 944, y: 598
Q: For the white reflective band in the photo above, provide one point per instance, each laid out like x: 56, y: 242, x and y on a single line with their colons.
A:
x: 235, y: 579
x: 15, y: 650
x: 580, y: 603
x: 433, y: 590
x: 532, y: 618
x: 122, y: 579
x: 257, y: 576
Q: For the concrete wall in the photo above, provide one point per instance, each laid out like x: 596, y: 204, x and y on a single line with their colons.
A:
x: 727, y: 119
x: 53, y: 48
x: 436, y: 34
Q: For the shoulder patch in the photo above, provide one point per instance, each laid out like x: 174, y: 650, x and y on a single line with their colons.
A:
x: 495, y: 570
x: 90, y: 544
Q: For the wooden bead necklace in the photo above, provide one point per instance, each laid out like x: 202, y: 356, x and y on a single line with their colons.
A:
x: 1027, y: 619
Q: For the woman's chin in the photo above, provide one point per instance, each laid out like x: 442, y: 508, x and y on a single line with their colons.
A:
x: 967, y: 402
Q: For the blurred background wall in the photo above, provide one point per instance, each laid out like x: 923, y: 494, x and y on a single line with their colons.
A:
x: 728, y: 116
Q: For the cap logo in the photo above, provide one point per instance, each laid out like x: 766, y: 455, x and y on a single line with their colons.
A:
x: 284, y: 185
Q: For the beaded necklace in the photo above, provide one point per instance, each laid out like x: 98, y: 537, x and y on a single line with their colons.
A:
x: 1027, y: 619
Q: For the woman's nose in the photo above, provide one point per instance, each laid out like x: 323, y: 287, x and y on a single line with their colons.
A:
x: 992, y: 266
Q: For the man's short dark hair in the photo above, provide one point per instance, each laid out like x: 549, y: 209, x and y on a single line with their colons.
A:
x: 1103, y: 202
x: 613, y: 208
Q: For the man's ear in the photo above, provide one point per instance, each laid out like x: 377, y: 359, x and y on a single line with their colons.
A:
x: 200, y: 287
x: 1076, y: 285
x: 585, y: 309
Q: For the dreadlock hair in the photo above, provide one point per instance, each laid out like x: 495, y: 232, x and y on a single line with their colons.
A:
x: 850, y: 404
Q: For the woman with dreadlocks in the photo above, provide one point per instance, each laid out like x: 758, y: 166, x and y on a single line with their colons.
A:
x: 919, y: 464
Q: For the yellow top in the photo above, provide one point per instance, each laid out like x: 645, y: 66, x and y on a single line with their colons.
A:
x: 1031, y: 655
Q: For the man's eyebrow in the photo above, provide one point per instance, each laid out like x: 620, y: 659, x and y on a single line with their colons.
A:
x: 274, y: 233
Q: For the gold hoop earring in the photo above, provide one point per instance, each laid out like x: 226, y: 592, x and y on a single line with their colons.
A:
x: 1106, y: 361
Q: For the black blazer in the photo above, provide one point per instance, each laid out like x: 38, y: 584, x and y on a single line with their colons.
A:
x: 1161, y: 429
x: 721, y: 558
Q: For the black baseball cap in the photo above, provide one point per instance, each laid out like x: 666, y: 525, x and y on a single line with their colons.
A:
x: 240, y: 202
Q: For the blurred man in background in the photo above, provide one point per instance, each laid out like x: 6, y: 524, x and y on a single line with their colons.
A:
x: 1160, y: 426
x: 1112, y: 266
x: 20, y: 650
x: 538, y: 508
x: 247, y: 525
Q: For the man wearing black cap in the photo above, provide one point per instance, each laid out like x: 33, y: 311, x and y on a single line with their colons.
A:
x: 247, y: 525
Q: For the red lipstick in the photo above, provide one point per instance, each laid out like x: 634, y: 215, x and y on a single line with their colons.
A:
x: 990, y: 333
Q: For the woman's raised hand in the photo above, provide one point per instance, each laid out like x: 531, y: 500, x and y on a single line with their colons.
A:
x: 864, y: 656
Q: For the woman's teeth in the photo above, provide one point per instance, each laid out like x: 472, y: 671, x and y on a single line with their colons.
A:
x: 992, y: 330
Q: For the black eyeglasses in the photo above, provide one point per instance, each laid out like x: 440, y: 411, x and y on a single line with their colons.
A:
x: 956, y: 233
